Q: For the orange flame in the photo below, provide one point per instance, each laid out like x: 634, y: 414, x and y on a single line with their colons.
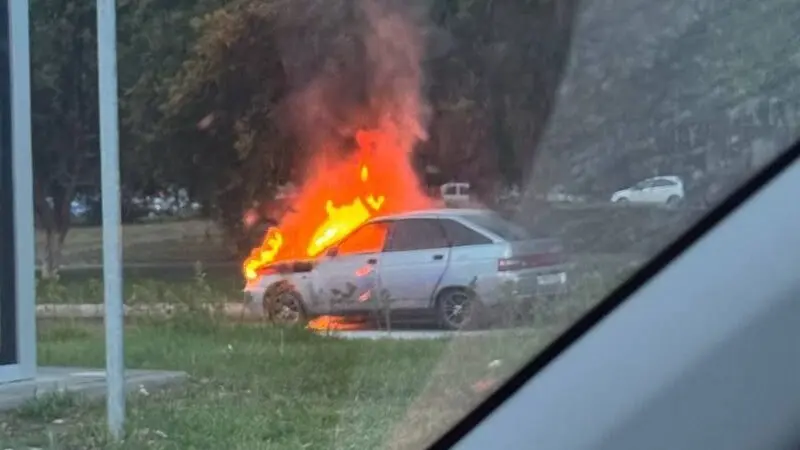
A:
x: 385, y: 183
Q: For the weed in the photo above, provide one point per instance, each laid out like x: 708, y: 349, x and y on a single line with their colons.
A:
x: 48, y: 407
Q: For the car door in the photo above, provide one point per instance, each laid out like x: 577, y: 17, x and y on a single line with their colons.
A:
x: 648, y: 192
x: 667, y: 189
x: 412, y: 266
x: 345, y: 279
x: 663, y: 190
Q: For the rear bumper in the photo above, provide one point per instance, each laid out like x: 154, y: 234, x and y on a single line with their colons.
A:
x: 520, y: 293
x: 552, y: 281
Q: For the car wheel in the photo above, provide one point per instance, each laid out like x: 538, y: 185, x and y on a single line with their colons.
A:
x: 673, y: 200
x: 284, y: 305
x: 459, y: 309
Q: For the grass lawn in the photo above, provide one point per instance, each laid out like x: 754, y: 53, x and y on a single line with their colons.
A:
x: 146, y: 285
x: 174, y: 241
x: 260, y: 387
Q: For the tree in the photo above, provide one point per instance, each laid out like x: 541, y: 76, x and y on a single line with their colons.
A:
x: 64, y: 114
x: 493, y: 91
x: 230, y: 118
x: 155, y: 37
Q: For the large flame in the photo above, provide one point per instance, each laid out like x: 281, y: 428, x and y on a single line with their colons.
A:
x: 340, y: 196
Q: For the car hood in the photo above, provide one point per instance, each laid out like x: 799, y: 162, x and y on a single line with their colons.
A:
x: 621, y: 192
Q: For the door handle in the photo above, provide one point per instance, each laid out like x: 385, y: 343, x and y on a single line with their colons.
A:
x: 438, y: 257
x: 372, y: 261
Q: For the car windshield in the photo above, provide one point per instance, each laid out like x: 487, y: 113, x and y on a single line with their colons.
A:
x: 251, y: 133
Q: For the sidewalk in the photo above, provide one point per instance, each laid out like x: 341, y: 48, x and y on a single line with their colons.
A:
x: 97, y: 311
x: 146, y: 265
x: 88, y: 383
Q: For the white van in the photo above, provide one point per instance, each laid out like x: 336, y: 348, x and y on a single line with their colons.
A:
x: 455, y: 192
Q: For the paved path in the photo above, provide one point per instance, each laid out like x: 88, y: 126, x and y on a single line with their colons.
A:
x: 97, y: 310
x: 239, y: 311
x: 149, y: 265
x: 89, y: 383
x: 401, y: 335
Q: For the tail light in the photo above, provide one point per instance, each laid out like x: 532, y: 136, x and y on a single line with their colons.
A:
x: 530, y: 261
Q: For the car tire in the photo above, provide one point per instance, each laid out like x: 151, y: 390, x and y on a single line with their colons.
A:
x: 459, y: 309
x: 283, y: 305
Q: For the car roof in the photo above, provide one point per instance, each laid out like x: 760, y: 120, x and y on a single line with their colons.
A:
x: 674, y: 178
x: 438, y: 212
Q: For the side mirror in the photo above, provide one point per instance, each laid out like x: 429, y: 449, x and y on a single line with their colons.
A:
x: 331, y: 252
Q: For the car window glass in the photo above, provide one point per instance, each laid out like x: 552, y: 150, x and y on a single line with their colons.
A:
x: 368, y: 239
x: 287, y: 121
x: 416, y: 234
x: 497, y: 225
x: 459, y: 234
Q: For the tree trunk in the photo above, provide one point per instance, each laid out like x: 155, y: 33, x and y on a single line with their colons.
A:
x: 52, y: 255
x: 54, y: 218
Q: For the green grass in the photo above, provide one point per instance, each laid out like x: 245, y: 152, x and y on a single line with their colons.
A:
x: 253, y: 386
x: 161, y: 242
x: 259, y: 387
x: 145, y: 285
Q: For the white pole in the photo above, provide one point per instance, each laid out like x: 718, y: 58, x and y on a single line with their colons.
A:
x: 112, y: 248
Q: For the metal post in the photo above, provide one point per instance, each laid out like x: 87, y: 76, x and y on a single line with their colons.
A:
x: 24, y: 238
x: 112, y: 248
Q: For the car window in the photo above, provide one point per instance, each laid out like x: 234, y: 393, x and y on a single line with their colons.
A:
x: 368, y: 239
x: 416, y: 234
x: 364, y: 110
x: 662, y: 183
x: 459, y: 235
x: 497, y: 225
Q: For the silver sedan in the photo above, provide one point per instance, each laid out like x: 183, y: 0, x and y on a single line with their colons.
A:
x: 459, y: 265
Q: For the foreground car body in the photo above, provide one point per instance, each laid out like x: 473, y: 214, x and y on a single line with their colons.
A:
x: 459, y: 265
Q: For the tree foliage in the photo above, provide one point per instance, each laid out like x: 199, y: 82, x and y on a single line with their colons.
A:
x: 209, y: 93
x: 491, y: 72
x: 64, y: 113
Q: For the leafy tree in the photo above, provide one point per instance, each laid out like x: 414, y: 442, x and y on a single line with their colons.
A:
x: 153, y: 36
x: 221, y: 119
x: 494, y: 90
x: 64, y: 114
x: 154, y: 39
x: 491, y: 81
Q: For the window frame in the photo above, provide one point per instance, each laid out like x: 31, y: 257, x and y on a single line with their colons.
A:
x: 664, y: 375
x: 452, y: 243
x: 666, y: 183
x: 393, y: 224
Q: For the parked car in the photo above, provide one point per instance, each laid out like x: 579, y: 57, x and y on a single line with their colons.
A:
x: 455, y: 193
x: 662, y: 190
x: 460, y: 266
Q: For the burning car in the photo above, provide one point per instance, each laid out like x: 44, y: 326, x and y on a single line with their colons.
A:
x: 457, y: 265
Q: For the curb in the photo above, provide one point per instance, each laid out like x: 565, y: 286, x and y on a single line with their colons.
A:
x: 97, y: 311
